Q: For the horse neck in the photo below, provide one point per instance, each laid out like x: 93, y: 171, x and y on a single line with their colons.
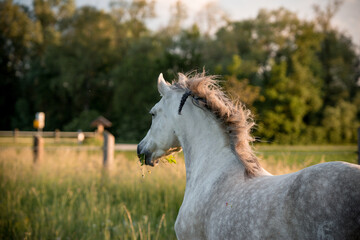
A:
x: 206, y: 148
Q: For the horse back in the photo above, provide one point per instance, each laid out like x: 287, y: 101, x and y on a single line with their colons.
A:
x: 323, y: 201
x: 318, y: 202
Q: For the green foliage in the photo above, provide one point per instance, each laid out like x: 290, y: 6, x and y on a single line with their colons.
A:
x: 18, y: 34
x: 82, y: 122
x: 298, y: 76
x: 339, y: 122
x: 22, y: 115
x: 241, y: 89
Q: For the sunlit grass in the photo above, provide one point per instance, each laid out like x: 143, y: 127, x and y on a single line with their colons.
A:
x: 69, y: 196
x: 286, y: 159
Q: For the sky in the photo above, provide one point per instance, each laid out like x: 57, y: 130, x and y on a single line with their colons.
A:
x: 346, y: 20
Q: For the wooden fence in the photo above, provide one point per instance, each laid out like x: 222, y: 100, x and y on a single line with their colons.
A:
x: 108, y: 147
x: 46, y: 134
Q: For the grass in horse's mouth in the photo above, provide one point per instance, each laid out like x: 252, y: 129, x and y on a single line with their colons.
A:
x: 169, y: 158
x: 142, y: 159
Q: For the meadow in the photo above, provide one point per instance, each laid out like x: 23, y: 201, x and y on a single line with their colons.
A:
x: 69, y: 196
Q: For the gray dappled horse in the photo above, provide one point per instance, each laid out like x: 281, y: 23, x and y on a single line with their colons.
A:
x: 228, y: 194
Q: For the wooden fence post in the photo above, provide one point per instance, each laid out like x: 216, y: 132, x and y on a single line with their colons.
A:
x: 38, y: 148
x: 15, y: 134
x: 108, y: 150
x: 57, y: 134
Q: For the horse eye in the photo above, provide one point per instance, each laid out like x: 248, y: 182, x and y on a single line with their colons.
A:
x: 152, y: 114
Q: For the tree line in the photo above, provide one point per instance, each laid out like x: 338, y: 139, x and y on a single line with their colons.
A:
x: 299, y: 77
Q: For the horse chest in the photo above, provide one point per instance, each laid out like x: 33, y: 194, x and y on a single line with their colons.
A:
x: 189, y: 225
x: 190, y: 222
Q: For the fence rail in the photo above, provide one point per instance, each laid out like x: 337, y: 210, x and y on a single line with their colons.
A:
x: 47, y: 134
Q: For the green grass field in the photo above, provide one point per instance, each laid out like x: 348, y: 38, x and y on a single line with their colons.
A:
x: 69, y: 196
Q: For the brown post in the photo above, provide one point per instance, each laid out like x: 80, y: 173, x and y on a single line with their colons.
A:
x: 108, y: 149
x: 15, y: 134
x: 57, y: 134
x: 38, y: 148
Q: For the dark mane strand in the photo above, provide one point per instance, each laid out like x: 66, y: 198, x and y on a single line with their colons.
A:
x: 183, y: 100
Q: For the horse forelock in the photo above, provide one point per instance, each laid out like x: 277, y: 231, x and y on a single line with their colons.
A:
x: 236, y: 119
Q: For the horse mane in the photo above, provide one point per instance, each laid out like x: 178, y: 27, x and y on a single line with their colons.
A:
x: 235, y: 117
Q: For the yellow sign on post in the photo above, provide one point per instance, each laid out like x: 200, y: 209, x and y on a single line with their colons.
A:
x: 39, y: 122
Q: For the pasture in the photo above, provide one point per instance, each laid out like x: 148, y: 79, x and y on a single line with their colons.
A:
x: 69, y: 196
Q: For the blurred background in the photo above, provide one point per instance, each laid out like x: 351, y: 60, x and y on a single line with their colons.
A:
x: 295, y: 65
x: 89, y: 65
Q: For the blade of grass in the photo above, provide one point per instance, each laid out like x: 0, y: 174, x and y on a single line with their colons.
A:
x: 131, y: 223
x: 159, y: 227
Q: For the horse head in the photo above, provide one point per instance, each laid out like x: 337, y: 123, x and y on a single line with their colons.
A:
x: 161, y: 139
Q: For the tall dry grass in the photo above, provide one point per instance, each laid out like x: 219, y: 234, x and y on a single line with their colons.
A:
x: 69, y: 196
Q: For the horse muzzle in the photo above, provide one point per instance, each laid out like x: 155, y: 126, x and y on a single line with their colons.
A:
x: 145, y: 156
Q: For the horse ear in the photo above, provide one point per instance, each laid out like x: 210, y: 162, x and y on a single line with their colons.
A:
x: 163, y: 86
x: 182, y: 79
